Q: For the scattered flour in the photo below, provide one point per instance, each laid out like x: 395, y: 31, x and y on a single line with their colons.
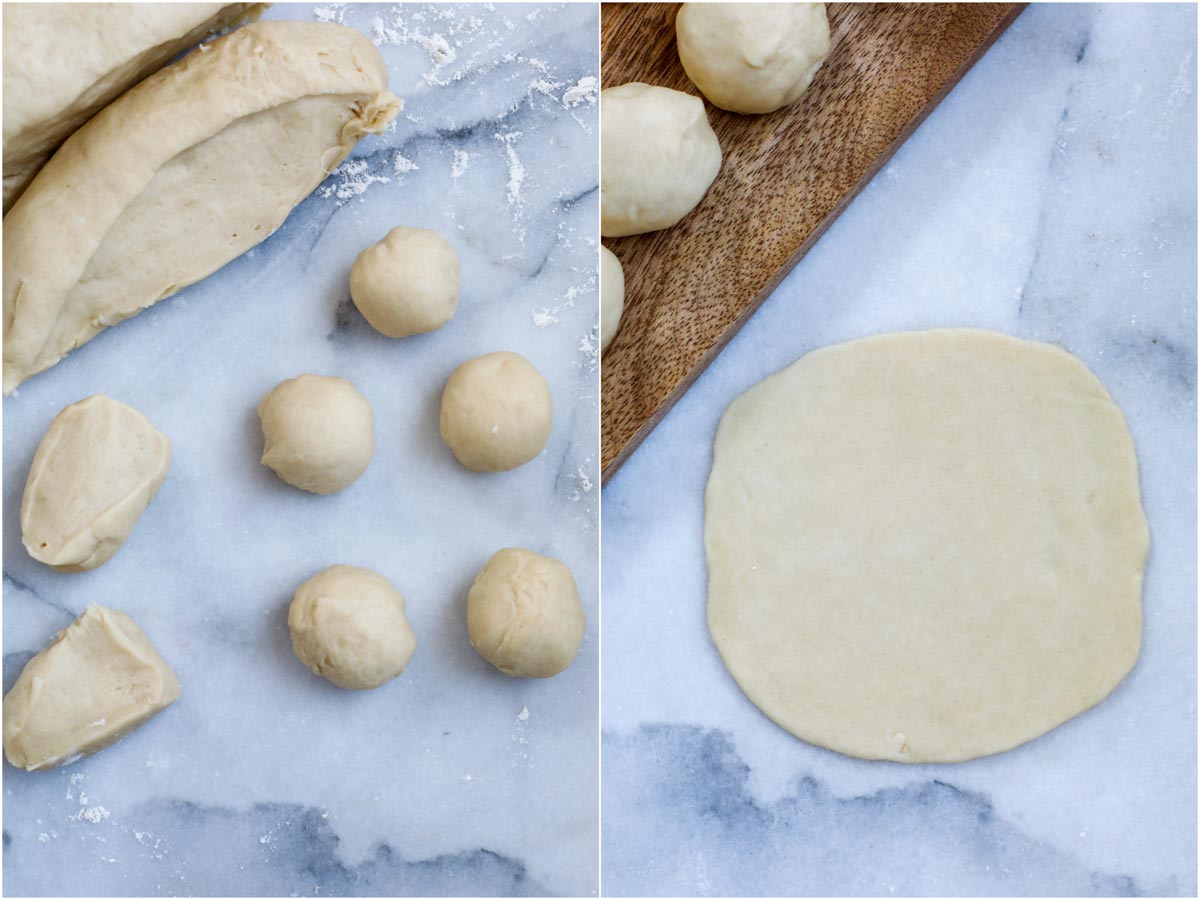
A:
x: 462, y: 160
x: 516, y: 170
x: 585, y: 90
x: 333, y: 13
x: 402, y: 164
x: 349, y: 180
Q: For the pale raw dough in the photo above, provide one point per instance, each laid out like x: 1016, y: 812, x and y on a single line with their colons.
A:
x: 926, y: 547
x: 752, y: 57
x: 100, y: 679
x: 496, y: 412
x: 658, y: 157
x: 612, y: 296
x: 179, y: 175
x: 524, y: 614
x: 64, y: 62
x: 348, y: 625
x: 318, y: 432
x: 407, y: 283
x: 96, y: 470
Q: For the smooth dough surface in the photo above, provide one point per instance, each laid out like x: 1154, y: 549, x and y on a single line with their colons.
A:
x: 926, y: 547
x: 752, y: 57
x: 407, y: 283
x: 128, y: 211
x: 318, y: 432
x: 524, y: 615
x: 63, y: 62
x: 95, y: 471
x: 496, y: 412
x: 659, y: 156
x: 348, y: 625
x: 612, y: 296
x: 99, y: 679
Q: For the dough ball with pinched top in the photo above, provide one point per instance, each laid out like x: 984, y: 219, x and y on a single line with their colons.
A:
x: 496, y: 412
x: 348, y: 625
x: 659, y: 155
x: 319, y: 432
x: 407, y: 283
x: 524, y: 614
x: 752, y: 57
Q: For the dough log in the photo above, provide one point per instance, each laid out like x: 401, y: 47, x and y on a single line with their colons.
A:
x: 185, y: 172
x: 64, y: 62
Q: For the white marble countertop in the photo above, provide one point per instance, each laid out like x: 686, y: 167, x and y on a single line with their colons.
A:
x: 1052, y: 196
x: 263, y: 779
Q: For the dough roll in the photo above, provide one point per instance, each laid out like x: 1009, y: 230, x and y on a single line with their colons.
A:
x: 185, y: 172
x: 64, y: 62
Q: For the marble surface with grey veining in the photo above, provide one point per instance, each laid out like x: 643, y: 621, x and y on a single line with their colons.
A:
x: 1052, y: 195
x: 264, y: 779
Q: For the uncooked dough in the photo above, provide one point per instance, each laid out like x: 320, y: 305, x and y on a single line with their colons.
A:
x: 99, y: 679
x: 348, y: 625
x: 179, y: 175
x: 318, y: 432
x: 96, y: 470
x: 64, y: 62
x: 752, y: 57
x: 524, y: 614
x: 658, y: 157
x: 496, y: 412
x: 926, y: 547
x: 612, y: 296
x: 407, y: 283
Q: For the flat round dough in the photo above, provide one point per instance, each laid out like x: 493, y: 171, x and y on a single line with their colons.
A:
x: 612, y: 296
x: 926, y: 547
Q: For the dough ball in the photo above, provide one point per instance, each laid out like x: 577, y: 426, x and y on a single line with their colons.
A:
x: 524, y: 614
x: 752, y: 57
x: 612, y: 296
x: 319, y: 432
x: 658, y: 157
x: 348, y: 625
x: 496, y: 412
x: 407, y: 283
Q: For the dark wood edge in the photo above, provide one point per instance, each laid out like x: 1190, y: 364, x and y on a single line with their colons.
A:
x: 792, y: 261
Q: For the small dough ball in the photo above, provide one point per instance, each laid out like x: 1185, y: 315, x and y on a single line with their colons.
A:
x: 348, y: 625
x: 612, y: 296
x: 658, y: 157
x: 319, y: 432
x: 407, y: 283
x: 524, y: 614
x: 496, y: 412
x: 752, y: 57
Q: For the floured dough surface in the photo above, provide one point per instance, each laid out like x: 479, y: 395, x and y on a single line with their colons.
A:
x: 926, y: 547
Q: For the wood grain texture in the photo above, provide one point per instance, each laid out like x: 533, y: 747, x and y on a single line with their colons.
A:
x: 785, y: 177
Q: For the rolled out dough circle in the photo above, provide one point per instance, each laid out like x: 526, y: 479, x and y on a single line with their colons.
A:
x: 926, y: 547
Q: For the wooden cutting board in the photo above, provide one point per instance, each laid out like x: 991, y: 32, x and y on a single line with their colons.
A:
x: 784, y: 178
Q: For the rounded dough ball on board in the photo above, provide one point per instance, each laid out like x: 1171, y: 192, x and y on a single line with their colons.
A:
x: 319, y: 432
x: 496, y: 412
x: 612, y: 296
x: 752, y: 57
x: 524, y: 614
x: 407, y: 283
x: 658, y: 156
x: 348, y: 625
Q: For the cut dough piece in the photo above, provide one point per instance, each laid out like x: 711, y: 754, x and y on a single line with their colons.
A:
x: 348, y: 625
x: 318, y: 432
x: 407, y: 283
x: 183, y: 173
x: 99, y: 680
x: 752, y: 57
x: 524, y: 614
x: 96, y: 470
x: 926, y: 547
x: 496, y: 412
x: 658, y: 155
x: 64, y: 62
x: 612, y: 296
